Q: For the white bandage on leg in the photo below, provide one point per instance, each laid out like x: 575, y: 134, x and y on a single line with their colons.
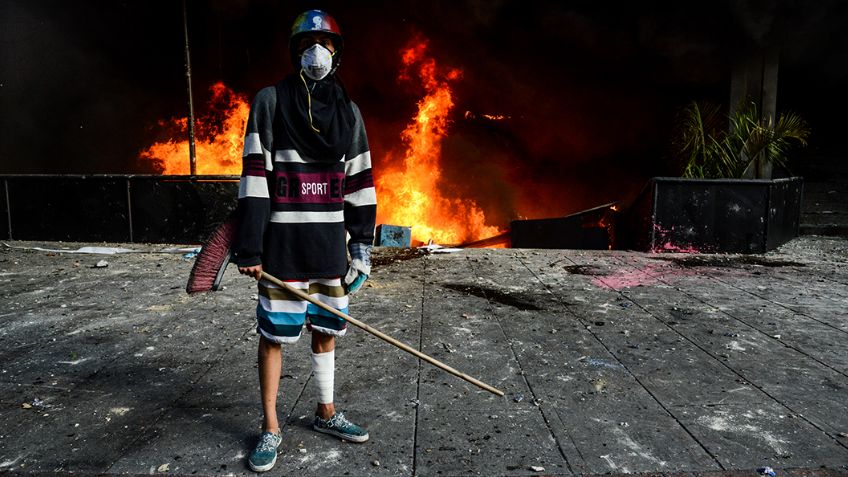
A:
x: 323, y: 371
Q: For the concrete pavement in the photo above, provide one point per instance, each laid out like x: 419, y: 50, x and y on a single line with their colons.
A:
x: 612, y: 362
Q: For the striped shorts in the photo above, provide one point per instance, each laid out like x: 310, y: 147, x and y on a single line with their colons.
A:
x: 281, y: 314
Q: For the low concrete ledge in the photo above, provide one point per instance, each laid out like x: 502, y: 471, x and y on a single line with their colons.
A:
x: 115, y: 208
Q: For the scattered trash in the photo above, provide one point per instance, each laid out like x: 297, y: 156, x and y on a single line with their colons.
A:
x: 843, y: 434
x: 448, y: 348
x: 445, y: 250
x: 599, y: 384
x: 175, y: 250
x: 518, y: 397
x: 766, y: 471
x: 375, y: 463
x: 537, y: 468
x: 254, y: 297
x: 92, y: 250
x: 302, y: 450
x: 26, y: 405
x: 163, y: 468
x: 415, y: 402
x: 191, y: 253
x: 436, y: 248
x: 106, y: 250
x: 735, y: 346
x: 101, y: 264
x: 553, y: 331
x: 777, y: 337
x: 600, y: 362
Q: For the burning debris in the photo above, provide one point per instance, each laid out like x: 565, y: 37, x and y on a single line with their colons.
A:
x: 220, y: 135
x: 410, y: 178
x: 410, y: 181
x: 490, y: 117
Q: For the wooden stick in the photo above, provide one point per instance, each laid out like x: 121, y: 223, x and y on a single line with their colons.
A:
x: 382, y: 336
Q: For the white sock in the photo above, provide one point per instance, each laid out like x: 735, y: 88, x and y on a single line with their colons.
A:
x: 323, y: 372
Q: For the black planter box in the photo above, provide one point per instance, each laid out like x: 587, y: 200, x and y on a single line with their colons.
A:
x: 714, y: 215
x: 588, y: 230
x: 114, y: 208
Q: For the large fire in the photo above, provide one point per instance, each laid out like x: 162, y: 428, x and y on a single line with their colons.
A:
x: 408, y: 183
x: 218, y: 139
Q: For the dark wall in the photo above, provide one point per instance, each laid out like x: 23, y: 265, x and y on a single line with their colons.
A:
x: 591, y: 87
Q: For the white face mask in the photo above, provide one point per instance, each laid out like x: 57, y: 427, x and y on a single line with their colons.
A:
x: 316, y: 61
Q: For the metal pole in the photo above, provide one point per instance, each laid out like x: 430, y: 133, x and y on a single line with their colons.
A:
x: 191, y: 149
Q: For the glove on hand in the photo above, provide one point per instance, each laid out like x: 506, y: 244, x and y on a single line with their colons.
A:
x: 359, y: 268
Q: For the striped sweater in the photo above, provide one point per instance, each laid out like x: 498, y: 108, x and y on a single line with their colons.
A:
x: 294, y: 210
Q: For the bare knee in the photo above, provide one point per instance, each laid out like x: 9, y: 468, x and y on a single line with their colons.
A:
x: 267, y: 348
x: 322, y: 343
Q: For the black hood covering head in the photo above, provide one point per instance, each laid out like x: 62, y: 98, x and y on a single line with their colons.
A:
x: 327, y: 104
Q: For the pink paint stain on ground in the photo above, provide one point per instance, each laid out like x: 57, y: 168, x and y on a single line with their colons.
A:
x: 668, y: 245
x: 645, y: 275
x: 627, y: 278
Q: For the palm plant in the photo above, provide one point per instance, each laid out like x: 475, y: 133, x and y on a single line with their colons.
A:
x: 711, y: 150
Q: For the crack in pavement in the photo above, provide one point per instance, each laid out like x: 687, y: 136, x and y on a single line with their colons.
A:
x: 524, y: 375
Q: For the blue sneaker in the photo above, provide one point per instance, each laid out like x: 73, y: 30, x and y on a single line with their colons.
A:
x: 340, y: 427
x: 264, y: 455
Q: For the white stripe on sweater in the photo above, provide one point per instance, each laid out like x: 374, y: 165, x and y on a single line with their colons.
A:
x: 253, y: 145
x: 297, y: 217
x: 291, y: 155
x: 358, y: 163
x: 253, y: 186
x: 366, y: 196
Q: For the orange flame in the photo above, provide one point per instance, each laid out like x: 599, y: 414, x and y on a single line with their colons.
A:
x: 408, y: 187
x: 219, y: 136
x: 408, y: 192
